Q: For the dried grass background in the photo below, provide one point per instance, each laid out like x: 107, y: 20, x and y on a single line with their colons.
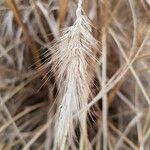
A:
x: 117, y: 113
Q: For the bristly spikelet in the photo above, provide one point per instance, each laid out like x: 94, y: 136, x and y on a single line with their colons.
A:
x: 73, y: 61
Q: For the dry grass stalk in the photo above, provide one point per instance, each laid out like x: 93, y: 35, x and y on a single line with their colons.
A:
x: 93, y: 104
x: 30, y: 42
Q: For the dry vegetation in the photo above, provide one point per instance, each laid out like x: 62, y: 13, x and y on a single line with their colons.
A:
x: 74, y: 74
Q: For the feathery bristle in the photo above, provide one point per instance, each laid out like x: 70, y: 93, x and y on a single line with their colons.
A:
x: 73, y: 55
